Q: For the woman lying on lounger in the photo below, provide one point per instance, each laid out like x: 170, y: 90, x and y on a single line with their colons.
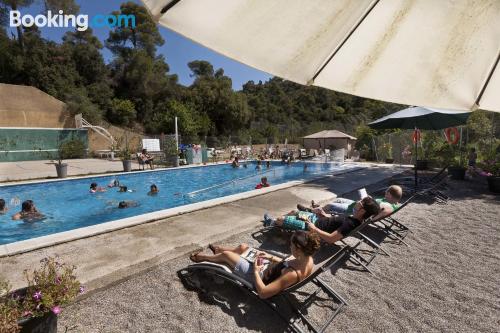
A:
x: 279, y: 274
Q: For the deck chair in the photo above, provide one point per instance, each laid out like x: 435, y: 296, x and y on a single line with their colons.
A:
x: 355, y: 255
x: 393, y: 228
x: 299, y: 311
x: 434, y: 185
x: 421, y: 180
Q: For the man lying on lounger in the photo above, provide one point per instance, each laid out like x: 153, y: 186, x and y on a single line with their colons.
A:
x: 329, y: 228
x: 388, y: 204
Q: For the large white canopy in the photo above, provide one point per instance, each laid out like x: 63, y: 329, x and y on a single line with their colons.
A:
x: 436, y: 53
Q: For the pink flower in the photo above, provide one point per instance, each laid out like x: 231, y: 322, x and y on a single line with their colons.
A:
x: 56, y: 309
x: 37, y: 296
x: 58, y: 280
x: 81, y: 290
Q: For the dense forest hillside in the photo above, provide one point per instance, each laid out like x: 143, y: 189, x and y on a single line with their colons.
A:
x: 136, y: 89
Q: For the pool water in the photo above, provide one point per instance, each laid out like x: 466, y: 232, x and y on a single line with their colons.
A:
x: 69, y: 205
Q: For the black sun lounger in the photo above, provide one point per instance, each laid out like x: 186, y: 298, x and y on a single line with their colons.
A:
x: 354, y: 254
x: 430, y: 186
x: 298, y: 322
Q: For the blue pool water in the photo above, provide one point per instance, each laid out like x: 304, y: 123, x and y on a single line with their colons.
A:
x: 69, y: 205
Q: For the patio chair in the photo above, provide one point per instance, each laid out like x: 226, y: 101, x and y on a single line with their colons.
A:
x: 298, y: 308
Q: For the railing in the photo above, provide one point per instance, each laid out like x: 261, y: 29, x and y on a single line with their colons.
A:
x: 82, y: 123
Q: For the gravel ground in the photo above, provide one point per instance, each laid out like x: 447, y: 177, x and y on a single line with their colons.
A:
x: 447, y: 280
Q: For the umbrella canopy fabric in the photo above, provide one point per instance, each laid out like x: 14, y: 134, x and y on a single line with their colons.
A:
x: 330, y: 134
x: 422, y: 118
x: 442, y: 54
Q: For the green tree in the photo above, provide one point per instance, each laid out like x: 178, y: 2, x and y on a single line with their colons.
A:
x: 122, y: 112
x: 84, y: 49
x: 69, y: 7
x: 79, y: 102
x: 144, y: 36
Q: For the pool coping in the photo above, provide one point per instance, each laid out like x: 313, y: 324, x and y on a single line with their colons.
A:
x: 32, y: 244
x: 102, y: 175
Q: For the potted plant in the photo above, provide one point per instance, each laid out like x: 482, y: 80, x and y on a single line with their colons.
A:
x: 35, y: 308
x: 74, y: 148
x: 386, y: 152
x: 9, y: 309
x: 491, y: 169
x: 170, y: 150
x: 126, y: 156
x: 457, y: 168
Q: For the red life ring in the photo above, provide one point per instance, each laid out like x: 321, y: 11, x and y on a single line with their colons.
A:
x: 416, y: 136
x: 452, y: 131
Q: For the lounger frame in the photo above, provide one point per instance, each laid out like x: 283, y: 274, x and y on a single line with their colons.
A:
x: 299, y: 312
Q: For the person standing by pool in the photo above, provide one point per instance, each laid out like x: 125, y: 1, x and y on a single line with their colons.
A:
x: 28, y: 212
x: 153, y: 190
x: 472, y: 158
x: 94, y: 188
x: 3, y: 207
x: 236, y: 162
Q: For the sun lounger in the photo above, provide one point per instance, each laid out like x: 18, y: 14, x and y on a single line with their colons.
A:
x: 298, y: 308
x: 431, y: 186
x: 355, y: 255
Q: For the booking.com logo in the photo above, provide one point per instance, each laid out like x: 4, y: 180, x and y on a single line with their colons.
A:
x: 80, y: 22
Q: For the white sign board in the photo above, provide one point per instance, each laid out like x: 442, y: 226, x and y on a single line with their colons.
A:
x: 151, y: 144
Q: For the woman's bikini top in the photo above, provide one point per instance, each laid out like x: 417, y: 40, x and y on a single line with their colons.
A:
x: 274, y: 272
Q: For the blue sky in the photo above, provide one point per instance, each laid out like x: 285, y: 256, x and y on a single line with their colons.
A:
x: 177, y: 50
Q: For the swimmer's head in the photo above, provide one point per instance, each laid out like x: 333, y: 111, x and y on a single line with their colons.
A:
x: 27, y: 206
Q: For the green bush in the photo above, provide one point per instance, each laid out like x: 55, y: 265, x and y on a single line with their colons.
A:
x: 74, y: 148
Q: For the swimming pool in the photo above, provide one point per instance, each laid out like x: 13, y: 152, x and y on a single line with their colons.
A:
x: 68, y: 204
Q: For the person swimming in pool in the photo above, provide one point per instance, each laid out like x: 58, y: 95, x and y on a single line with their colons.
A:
x: 127, y: 204
x: 114, y: 183
x: 124, y: 188
x: 28, y: 212
x: 3, y: 207
x: 94, y: 188
x: 153, y: 190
